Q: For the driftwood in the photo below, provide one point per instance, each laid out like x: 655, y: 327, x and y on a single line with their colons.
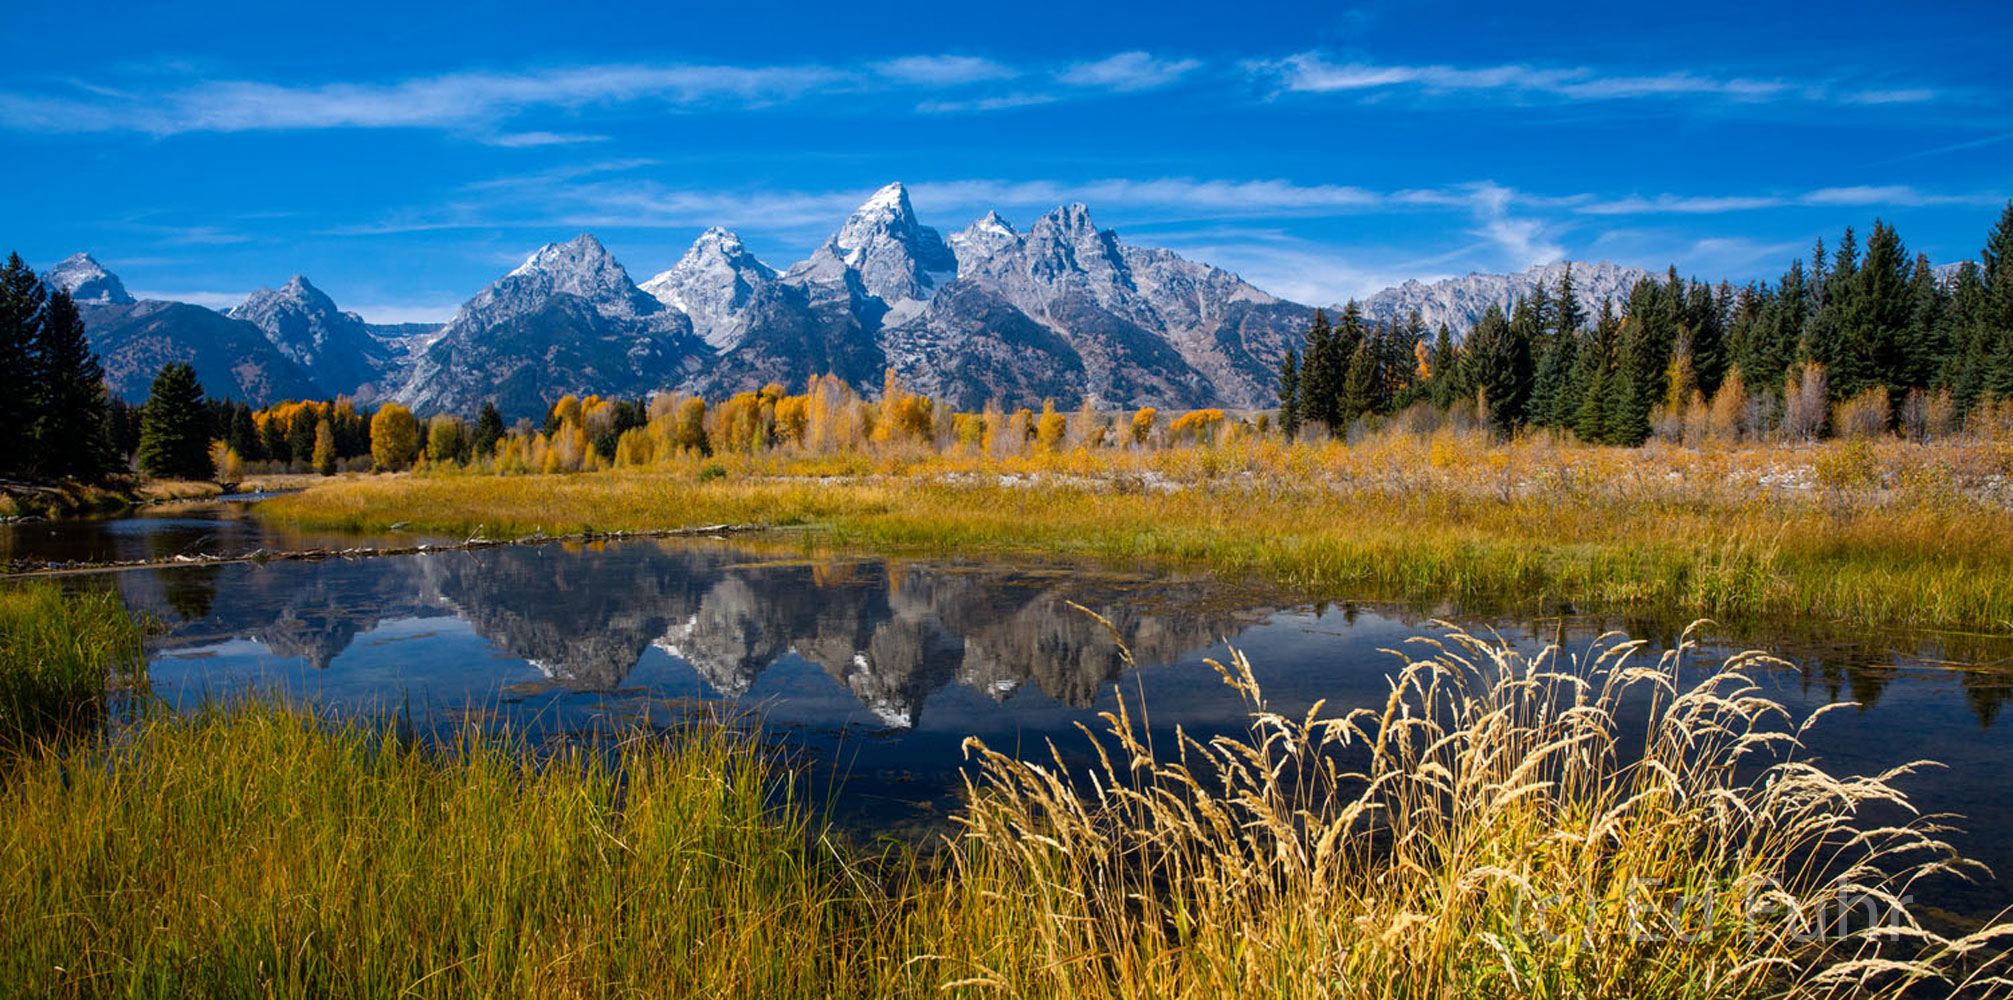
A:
x: 38, y: 567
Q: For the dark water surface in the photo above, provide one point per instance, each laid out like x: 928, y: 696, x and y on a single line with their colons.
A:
x: 879, y: 668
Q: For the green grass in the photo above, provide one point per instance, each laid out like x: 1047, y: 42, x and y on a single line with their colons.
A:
x: 58, y: 657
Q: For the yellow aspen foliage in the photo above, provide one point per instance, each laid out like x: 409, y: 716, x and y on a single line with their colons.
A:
x: 1199, y: 426
x: 394, y: 438
x: 1142, y: 425
x: 325, y: 449
x: 1051, y: 427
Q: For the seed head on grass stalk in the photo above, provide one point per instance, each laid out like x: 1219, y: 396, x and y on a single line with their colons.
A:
x: 1546, y: 825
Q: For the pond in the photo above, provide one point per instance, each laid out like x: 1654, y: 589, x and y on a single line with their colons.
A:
x: 877, y: 669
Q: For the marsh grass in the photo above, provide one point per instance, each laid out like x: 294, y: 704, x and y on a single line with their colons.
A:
x: 1599, y: 826
x: 259, y: 851
x: 59, y: 657
x: 1504, y: 826
x: 1923, y: 539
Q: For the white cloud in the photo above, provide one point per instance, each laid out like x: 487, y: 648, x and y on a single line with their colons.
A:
x: 209, y: 300
x: 945, y: 70
x: 1314, y: 72
x: 1128, y: 71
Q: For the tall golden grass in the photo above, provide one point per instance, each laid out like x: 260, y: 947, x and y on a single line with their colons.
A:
x: 1593, y: 826
x: 1886, y: 533
x: 1544, y: 826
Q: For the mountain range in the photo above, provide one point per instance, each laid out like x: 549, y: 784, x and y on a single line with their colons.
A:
x: 1061, y: 311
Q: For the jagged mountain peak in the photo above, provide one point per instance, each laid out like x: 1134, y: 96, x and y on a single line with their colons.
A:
x: 1072, y: 218
x: 896, y: 258
x: 580, y: 267
x: 1460, y: 302
x: 298, y: 293
x: 87, y: 281
x: 713, y: 285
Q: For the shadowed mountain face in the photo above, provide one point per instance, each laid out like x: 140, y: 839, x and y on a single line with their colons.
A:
x: 585, y: 617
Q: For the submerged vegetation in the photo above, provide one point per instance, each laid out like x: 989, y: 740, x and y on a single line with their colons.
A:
x: 1539, y: 826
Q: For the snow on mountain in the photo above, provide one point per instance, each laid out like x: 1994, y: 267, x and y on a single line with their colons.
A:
x: 303, y: 322
x: 714, y: 285
x: 1461, y: 302
x: 87, y: 281
x: 895, y: 258
x: 568, y: 320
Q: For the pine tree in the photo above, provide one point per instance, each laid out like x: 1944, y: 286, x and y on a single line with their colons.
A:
x: 1321, y: 375
x: 243, y: 437
x: 1498, y: 359
x: 72, y: 437
x: 489, y: 430
x: 1289, y: 394
x: 1446, y: 365
x: 1995, y: 308
x: 1359, y: 385
x: 21, y: 302
x: 1593, y: 369
x: 1705, y: 329
x: 174, y: 427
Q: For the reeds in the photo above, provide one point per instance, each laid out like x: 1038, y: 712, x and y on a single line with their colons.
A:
x: 59, y: 656
x: 1504, y: 826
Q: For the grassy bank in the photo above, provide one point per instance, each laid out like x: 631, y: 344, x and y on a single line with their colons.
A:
x: 58, y: 658
x: 1500, y: 828
x: 1893, y: 534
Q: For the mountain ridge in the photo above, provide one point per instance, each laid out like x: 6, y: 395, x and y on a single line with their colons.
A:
x: 1062, y: 310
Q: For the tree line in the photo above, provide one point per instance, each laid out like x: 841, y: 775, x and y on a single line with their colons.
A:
x: 1869, y: 335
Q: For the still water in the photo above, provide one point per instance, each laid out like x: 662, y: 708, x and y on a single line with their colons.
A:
x: 875, y: 670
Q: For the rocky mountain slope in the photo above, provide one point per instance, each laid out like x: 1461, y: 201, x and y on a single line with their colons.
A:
x: 1461, y: 302
x: 1062, y: 310
x: 305, y: 325
x: 567, y: 320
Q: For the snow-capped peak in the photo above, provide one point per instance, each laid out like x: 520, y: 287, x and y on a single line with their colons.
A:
x: 896, y: 257
x: 713, y: 285
x: 87, y: 281
x: 580, y: 267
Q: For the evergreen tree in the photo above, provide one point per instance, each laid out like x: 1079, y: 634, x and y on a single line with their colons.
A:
x: 301, y: 437
x: 1927, y: 345
x: 1569, y: 317
x: 489, y: 430
x: 1705, y: 334
x: 1359, y: 384
x: 1873, y: 324
x: 21, y: 303
x: 243, y: 436
x: 72, y: 437
x: 1445, y: 361
x: 1321, y: 376
x: 1553, y: 403
x: 174, y: 427
x: 1995, y: 306
x: 1498, y: 360
x: 1647, y: 339
x: 1593, y: 371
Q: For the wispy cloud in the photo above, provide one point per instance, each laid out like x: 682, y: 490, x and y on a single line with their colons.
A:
x: 1858, y: 196
x: 1316, y: 72
x: 1128, y: 72
x: 478, y: 104
x: 945, y: 70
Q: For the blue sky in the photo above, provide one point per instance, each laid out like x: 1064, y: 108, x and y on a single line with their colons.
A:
x: 402, y: 156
